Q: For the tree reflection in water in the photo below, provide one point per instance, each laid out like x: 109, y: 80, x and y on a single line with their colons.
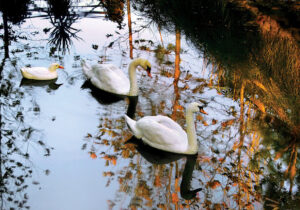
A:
x: 62, y: 19
x: 17, y: 139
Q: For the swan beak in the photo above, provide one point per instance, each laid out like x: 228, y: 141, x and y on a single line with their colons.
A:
x: 202, y: 110
x: 149, y: 71
x: 61, y: 67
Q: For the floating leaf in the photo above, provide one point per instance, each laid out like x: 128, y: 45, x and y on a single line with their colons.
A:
x: 227, y: 123
x: 95, y: 47
x: 214, y: 184
x: 110, y: 44
x: 93, y: 155
x: 204, y: 123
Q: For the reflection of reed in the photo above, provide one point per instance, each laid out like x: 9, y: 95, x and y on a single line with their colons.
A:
x: 5, y: 38
x: 14, y: 12
x: 177, y: 57
x: 130, y: 29
x: 176, y: 75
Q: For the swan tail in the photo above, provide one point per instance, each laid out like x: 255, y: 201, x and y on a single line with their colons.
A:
x: 86, y: 68
x: 132, y: 126
x: 22, y: 71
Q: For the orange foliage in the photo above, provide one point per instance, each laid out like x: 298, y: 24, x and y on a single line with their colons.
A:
x: 175, y: 198
x: 178, y: 107
x: 205, y: 159
x: 162, y: 206
x: 121, y: 180
x: 227, y: 123
x: 132, y: 207
x: 157, y: 182
x: 140, y: 114
x: 88, y: 135
x: 149, y: 203
x: 217, y: 206
x: 235, y: 145
x: 111, y: 159
x: 280, y: 153
x: 215, y: 132
x: 108, y: 173
x: 249, y: 206
x: 177, y: 188
x: 114, y: 161
x: 125, y: 153
x: 213, y: 122
x: 214, y: 184
x: 225, y: 205
x: 109, y: 132
x: 93, y: 155
x: 186, y: 87
x: 105, y: 142
x: 199, y: 117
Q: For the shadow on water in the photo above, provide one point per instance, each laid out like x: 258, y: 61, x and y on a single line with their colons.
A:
x: 40, y: 83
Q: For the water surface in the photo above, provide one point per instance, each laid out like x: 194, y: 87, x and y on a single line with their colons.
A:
x: 61, y: 148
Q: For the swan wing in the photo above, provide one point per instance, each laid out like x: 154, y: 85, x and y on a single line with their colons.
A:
x: 168, y: 122
x: 109, y: 78
x: 163, y: 133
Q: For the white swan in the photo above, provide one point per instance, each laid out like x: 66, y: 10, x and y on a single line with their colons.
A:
x: 163, y: 133
x: 41, y: 73
x: 110, y: 78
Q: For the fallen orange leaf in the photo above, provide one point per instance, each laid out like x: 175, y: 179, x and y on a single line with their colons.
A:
x: 214, y: 184
x: 114, y: 161
x: 93, y: 155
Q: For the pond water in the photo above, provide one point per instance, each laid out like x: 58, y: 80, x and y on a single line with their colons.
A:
x: 63, y: 148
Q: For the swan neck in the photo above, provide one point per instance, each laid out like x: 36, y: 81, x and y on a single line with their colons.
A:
x: 191, y: 133
x: 133, y: 91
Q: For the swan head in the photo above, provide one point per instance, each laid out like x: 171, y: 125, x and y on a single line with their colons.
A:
x: 55, y: 66
x: 196, y: 107
x: 145, y: 64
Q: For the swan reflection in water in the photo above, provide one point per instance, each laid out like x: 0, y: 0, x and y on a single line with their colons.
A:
x: 107, y: 98
x: 103, y: 97
x: 40, y: 83
x: 156, y: 156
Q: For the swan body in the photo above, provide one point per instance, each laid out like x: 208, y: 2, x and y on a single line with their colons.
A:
x: 110, y: 78
x: 163, y: 133
x: 41, y: 73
